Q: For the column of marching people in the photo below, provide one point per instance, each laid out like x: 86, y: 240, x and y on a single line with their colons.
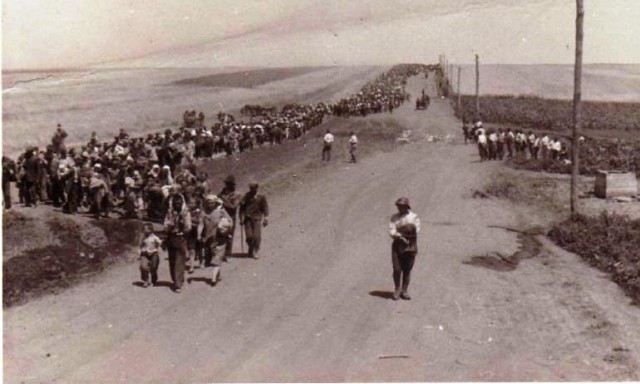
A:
x: 154, y: 177
x: 499, y: 144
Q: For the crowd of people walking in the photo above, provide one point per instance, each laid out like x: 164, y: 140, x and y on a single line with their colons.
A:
x: 154, y: 177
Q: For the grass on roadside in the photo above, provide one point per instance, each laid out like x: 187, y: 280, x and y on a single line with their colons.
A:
x: 608, y: 242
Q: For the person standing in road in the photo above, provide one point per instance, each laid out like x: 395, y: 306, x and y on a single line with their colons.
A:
x: 149, y: 256
x: 177, y: 224
x: 213, y: 233
x: 403, y: 229
x: 326, y: 146
x: 353, y: 146
x: 254, y: 211
x: 230, y: 201
x: 8, y: 176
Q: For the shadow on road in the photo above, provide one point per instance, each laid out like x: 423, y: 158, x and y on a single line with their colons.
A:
x: 206, y: 280
x: 382, y: 294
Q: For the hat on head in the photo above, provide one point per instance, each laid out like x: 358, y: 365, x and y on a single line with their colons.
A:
x: 97, y: 165
x: 213, y: 198
x: 403, y: 201
x: 230, y: 179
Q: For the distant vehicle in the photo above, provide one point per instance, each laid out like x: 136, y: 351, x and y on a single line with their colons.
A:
x: 423, y: 102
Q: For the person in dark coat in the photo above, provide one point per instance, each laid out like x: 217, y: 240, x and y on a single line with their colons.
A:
x: 254, y: 211
x: 177, y: 225
x: 8, y: 176
x: 31, y: 177
x: 230, y: 201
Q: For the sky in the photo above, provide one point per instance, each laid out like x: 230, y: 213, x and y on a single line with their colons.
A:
x: 39, y: 34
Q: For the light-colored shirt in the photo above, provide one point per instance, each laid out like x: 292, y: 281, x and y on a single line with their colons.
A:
x: 328, y: 138
x: 353, y: 140
x: 398, y: 220
x: 150, y: 244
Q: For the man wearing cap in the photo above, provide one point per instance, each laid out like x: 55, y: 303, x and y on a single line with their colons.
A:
x: 403, y: 229
x: 253, y: 216
x: 230, y: 201
x: 177, y: 224
x: 213, y: 233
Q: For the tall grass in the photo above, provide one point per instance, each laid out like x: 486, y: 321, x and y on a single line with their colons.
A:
x: 550, y: 114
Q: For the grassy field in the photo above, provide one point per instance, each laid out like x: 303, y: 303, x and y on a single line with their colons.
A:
x: 606, y: 234
x: 609, y: 242
x: 551, y: 114
x: 612, y: 129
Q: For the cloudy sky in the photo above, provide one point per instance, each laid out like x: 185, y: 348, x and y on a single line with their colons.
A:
x: 69, y: 33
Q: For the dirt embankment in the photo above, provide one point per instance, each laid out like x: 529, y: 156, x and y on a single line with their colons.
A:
x: 65, y: 251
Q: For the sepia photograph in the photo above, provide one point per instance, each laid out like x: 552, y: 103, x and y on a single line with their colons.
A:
x: 320, y: 191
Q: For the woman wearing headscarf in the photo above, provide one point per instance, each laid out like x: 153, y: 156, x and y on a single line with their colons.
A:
x: 177, y: 224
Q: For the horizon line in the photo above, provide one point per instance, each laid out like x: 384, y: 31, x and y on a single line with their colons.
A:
x: 115, y: 68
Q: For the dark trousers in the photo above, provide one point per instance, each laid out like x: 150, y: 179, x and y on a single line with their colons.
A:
x: 71, y: 191
x: 403, y: 257
x: 6, y: 193
x: 326, y: 152
x: 483, y: 150
x: 500, y: 150
x: 177, y: 249
x: 509, y: 149
x: 30, y: 193
x: 57, y: 192
x: 229, y: 246
x: 149, y: 266
x: 253, y: 231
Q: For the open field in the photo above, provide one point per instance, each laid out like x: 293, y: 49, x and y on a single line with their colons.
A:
x: 149, y: 100
x: 248, y: 78
x: 601, y: 82
x: 551, y: 114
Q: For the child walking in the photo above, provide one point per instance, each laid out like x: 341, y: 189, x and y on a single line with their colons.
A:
x: 149, y: 258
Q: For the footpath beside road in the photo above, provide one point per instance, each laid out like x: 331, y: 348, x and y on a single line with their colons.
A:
x: 317, y: 307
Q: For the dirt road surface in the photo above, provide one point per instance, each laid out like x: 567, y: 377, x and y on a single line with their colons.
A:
x: 317, y: 307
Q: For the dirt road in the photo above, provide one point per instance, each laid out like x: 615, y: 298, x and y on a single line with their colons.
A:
x: 317, y: 306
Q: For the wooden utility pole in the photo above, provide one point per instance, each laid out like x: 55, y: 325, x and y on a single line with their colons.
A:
x: 451, y: 75
x: 477, y: 88
x: 459, y: 69
x: 577, y: 107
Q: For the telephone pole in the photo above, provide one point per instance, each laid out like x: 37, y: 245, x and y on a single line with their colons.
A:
x: 477, y: 88
x: 577, y: 107
x: 459, y: 69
